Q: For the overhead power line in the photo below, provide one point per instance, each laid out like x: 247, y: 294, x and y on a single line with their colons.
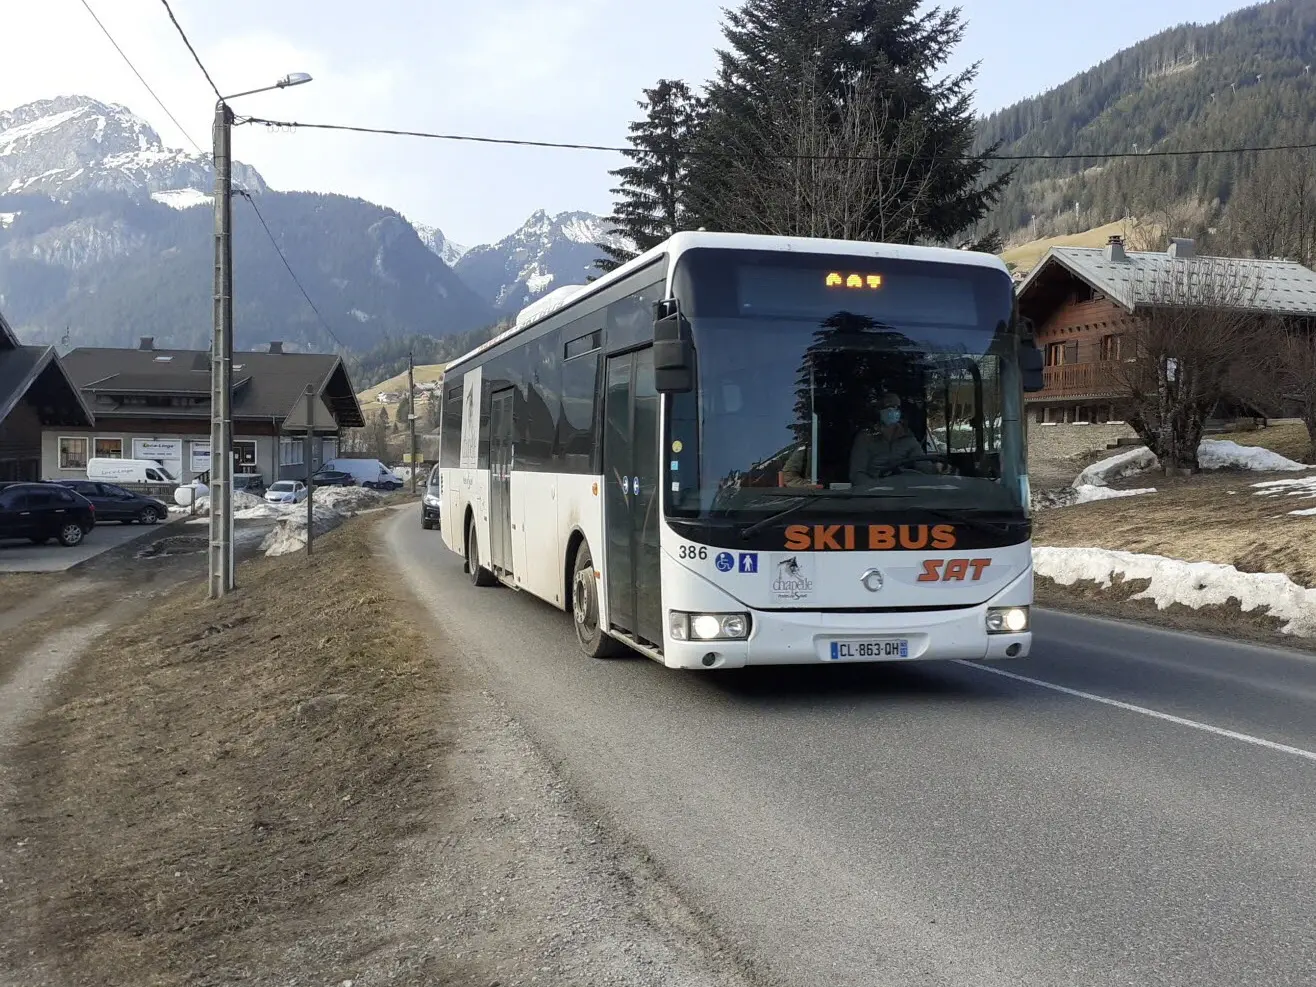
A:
x: 124, y: 56
x: 197, y: 58
x: 291, y: 273
x: 563, y: 145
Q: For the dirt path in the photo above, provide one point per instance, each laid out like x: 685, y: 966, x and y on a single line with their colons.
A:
x: 299, y: 786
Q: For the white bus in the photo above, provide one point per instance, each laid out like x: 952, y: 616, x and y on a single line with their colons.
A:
x: 697, y: 455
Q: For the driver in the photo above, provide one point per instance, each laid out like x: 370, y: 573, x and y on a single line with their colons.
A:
x: 891, y: 446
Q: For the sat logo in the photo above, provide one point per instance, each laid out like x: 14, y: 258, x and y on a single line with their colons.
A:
x: 952, y: 570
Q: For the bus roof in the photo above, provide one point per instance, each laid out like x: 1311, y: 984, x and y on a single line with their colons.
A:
x: 679, y: 243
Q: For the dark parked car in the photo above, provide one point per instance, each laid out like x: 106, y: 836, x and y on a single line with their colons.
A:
x: 115, y: 503
x: 431, y: 515
x: 333, y: 478
x: 42, y: 511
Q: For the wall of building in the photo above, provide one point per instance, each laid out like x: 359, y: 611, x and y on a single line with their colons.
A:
x: 1077, y: 360
x: 191, y: 448
x: 20, y: 444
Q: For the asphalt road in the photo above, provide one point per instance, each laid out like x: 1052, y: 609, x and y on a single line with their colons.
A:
x: 1142, y: 813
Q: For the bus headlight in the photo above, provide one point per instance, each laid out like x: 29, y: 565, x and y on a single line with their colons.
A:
x: 707, y: 626
x: 1007, y: 620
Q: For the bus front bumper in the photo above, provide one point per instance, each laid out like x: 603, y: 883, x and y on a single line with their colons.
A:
x: 829, y: 638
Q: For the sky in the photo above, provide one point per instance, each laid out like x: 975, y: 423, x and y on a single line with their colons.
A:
x: 560, y: 70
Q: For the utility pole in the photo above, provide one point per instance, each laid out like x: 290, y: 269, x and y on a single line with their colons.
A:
x: 411, y: 414
x: 222, y: 555
x: 221, y: 364
x: 310, y: 463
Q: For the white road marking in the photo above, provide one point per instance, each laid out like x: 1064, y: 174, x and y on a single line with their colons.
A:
x: 1246, y: 738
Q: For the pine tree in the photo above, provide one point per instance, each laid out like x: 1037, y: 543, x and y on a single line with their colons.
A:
x: 651, y: 197
x: 804, y: 85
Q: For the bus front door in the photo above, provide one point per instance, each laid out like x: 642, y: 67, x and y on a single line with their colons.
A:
x: 631, y: 504
x: 500, y: 481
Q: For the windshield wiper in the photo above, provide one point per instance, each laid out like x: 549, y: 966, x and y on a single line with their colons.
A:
x: 806, y: 499
x: 968, y: 520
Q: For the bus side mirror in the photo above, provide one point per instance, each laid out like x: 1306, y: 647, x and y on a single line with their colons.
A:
x: 1030, y: 367
x: 673, y: 350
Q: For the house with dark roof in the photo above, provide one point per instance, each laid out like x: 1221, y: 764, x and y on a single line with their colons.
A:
x: 35, y: 394
x: 152, y: 403
x: 1082, y: 300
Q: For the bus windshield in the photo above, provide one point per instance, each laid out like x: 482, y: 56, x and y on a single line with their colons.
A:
x: 845, y: 386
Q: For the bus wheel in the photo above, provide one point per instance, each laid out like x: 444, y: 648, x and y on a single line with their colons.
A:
x: 585, y: 609
x: 480, y: 576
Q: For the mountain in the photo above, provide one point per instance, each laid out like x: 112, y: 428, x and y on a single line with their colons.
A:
x: 74, y: 145
x: 106, y: 235
x: 1243, y: 81
x: 448, y: 251
x: 545, y: 253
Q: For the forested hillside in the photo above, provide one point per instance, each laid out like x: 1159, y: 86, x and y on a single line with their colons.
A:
x: 1243, y: 81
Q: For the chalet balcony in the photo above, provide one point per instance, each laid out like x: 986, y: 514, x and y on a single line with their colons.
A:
x: 1075, y: 380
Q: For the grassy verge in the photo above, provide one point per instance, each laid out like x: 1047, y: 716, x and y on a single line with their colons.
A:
x: 221, y: 777
x: 1212, y: 517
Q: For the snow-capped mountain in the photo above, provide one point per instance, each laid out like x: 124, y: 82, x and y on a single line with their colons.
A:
x: 449, y: 252
x: 76, y: 145
x: 545, y: 253
x: 102, y: 238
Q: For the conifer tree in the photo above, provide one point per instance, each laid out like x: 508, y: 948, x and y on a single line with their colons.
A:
x: 651, y: 197
x: 869, y: 72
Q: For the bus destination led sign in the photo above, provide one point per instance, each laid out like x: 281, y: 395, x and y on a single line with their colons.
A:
x: 835, y: 279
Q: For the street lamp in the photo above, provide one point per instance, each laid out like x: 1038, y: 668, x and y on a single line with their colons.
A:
x: 221, y: 347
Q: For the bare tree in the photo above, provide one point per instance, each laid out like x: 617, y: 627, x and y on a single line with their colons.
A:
x: 1273, y: 211
x: 814, y: 165
x: 1195, y: 326
x: 1289, y: 364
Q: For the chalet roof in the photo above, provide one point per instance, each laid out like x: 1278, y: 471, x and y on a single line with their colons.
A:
x: 266, y: 386
x: 1136, y: 278
x: 35, y: 373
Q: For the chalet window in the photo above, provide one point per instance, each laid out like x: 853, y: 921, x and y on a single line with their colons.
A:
x: 1110, y: 347
x: 1061, y: 354
x: 109, y: 449
x: 292, y: 451
x: 72, y: 453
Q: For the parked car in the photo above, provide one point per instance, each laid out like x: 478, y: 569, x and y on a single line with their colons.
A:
x: 431, y: 507
x: 128, y: 471
x: 368, y: 472
x: 42, y: 511
x: 333, y: 478
x: 286, y: 492
x: 115, y: 503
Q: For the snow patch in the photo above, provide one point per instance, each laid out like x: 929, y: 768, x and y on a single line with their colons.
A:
x: 330, y: 507
x: 357, y: 314
x: 1212, y: 454
x: 183, y: 198
x: 538, y: 282
x: 12, y: 135
x: 7, y: 219
x: 1191, y: 584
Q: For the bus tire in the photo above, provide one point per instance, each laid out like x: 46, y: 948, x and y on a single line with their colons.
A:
x: 585, y: 609
x: 480, y: 576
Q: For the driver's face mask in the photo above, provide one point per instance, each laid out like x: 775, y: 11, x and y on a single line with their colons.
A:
x: 890, y: 416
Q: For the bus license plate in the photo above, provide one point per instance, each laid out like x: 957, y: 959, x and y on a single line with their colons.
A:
x: 868, y: 650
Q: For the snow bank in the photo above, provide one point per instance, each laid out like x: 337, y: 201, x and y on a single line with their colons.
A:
x: 330, y: 507
x: 242, y: 501
x: 1117, y: 467
x: 1215, y: 454
x: 1192, y: 584
x: 1085, y: 494
x: 1212, y: 454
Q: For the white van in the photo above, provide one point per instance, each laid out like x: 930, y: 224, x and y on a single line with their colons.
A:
x: 128, y: 471
x: 368, y: 472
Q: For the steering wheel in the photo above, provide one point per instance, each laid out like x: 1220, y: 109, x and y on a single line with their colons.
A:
x: 902, y: 466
